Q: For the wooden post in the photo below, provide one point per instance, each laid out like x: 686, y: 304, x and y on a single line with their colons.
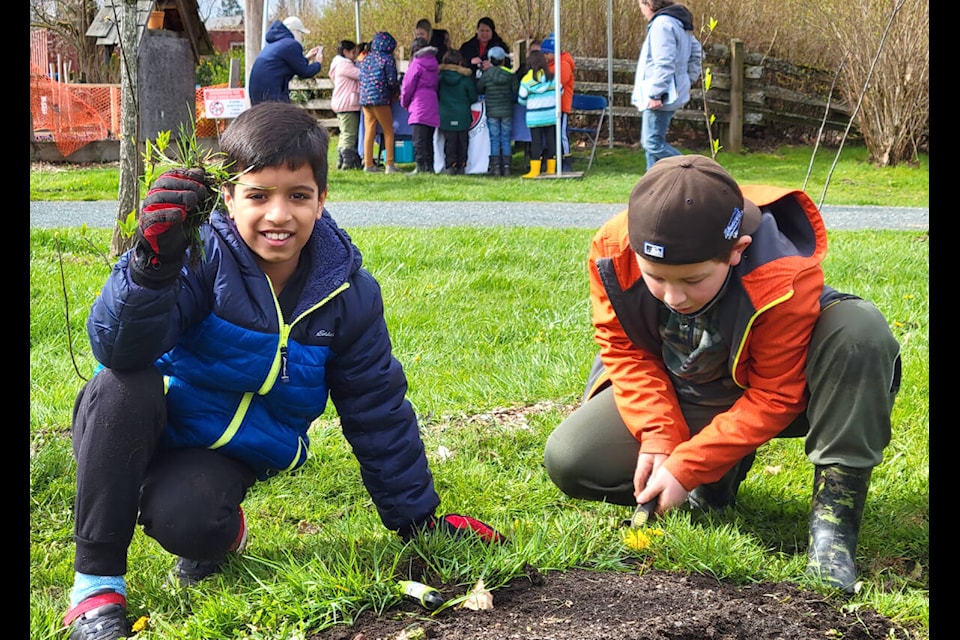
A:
x: 735, y: 131
x: 519, y: 57
x: 234, y: 79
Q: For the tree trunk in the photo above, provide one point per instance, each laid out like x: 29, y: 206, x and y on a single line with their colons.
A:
x: 130, y: 162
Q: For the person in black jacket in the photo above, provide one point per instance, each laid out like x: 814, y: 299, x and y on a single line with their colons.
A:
x: 476, y: 50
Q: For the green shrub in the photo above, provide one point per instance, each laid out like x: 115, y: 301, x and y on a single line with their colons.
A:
x: 216, y: 69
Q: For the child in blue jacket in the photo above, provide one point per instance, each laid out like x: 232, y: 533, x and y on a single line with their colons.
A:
x: 214, y: 366
x: 538, y: 92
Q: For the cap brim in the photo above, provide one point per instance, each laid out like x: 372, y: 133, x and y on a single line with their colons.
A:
x: 751, y: 218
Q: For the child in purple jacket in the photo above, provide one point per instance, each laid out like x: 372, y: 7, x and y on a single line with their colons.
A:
x: 418, y: 95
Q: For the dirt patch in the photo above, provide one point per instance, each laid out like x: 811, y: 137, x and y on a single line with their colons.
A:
x: 654, y: 605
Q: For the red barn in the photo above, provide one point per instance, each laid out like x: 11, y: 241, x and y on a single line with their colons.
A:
x: 226, y: 33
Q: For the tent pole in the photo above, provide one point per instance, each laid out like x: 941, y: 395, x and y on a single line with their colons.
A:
x: 557, y: 75
x: 356, y: 17
x: 610, y: 72
x: 263, y: 30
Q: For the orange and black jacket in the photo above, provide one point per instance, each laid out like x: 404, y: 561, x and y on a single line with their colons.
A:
x: 773, y: 299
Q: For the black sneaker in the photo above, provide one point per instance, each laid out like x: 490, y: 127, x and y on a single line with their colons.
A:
x: 102, y: 616
x: 190, y: 572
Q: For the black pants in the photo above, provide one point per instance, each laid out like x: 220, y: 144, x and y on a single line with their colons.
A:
x: 187, y: 499
x: 423, y: 146
x: 455, y: 148
x: 543, y: 142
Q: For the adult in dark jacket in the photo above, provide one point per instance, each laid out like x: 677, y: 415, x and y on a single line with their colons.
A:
x: 475, y: 51
x: 280, y: 60
x: 217, y: 359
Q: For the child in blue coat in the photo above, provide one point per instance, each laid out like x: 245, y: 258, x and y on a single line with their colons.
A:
x: 538, y: 91
x: 214, y: 366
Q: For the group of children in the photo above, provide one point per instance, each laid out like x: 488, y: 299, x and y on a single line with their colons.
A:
x: 438, y: 91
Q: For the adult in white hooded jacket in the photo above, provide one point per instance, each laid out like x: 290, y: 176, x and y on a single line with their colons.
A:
x: 668, y: 65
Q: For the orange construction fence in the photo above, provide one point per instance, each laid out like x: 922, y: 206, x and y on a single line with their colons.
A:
x: 73, y: 115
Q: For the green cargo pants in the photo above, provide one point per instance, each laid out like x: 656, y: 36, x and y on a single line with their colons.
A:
x: 853, y: 375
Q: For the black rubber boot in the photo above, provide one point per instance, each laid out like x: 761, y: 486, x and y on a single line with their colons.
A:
x: 505, y: 165
x: 352, y: 159
x: 495, y: 169
x: 722, y: 493
x: 839, y: 494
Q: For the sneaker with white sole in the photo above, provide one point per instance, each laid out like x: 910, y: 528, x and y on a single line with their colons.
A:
x: 102, y: 616
x: 392, y: 168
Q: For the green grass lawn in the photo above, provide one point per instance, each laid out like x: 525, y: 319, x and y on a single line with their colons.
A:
x: 850, y: 181
x: 493, y: 328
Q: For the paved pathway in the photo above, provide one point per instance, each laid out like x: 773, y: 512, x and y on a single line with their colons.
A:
x: 101, y: 214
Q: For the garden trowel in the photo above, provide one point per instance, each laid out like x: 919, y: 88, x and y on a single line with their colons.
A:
x: 644, y: 513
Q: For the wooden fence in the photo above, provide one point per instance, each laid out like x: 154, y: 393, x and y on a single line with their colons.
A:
x: 748, y: 90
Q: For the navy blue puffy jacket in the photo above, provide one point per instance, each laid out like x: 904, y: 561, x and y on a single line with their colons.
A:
x: 245, y: 382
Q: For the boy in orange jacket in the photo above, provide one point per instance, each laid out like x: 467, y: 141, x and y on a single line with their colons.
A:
x: 717, y: 334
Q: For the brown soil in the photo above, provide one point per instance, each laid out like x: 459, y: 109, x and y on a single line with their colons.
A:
x: 654, y: 605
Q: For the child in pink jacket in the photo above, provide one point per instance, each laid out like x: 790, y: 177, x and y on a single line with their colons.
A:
x: 345, y: 102
x: 418, y: 95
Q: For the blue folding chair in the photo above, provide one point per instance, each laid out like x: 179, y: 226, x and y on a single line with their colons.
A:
x: 593, y: 105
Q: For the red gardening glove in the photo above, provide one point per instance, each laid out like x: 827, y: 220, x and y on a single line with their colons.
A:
x: 455, y: 525
x: 162, y: 239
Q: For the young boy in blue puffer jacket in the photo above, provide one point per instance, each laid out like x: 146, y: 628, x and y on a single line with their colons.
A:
x: 214, y: 366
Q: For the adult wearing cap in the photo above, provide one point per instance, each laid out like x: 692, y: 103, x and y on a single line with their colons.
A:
x: 668, y: 65
x: 567, y: 68
x: 476, y: 50
x: 281, y: 59
x: 716, y: 333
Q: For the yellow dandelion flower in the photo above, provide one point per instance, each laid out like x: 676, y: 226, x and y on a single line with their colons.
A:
x: 636, y: 539
x: 640, y: 539
x: 140, y: 624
